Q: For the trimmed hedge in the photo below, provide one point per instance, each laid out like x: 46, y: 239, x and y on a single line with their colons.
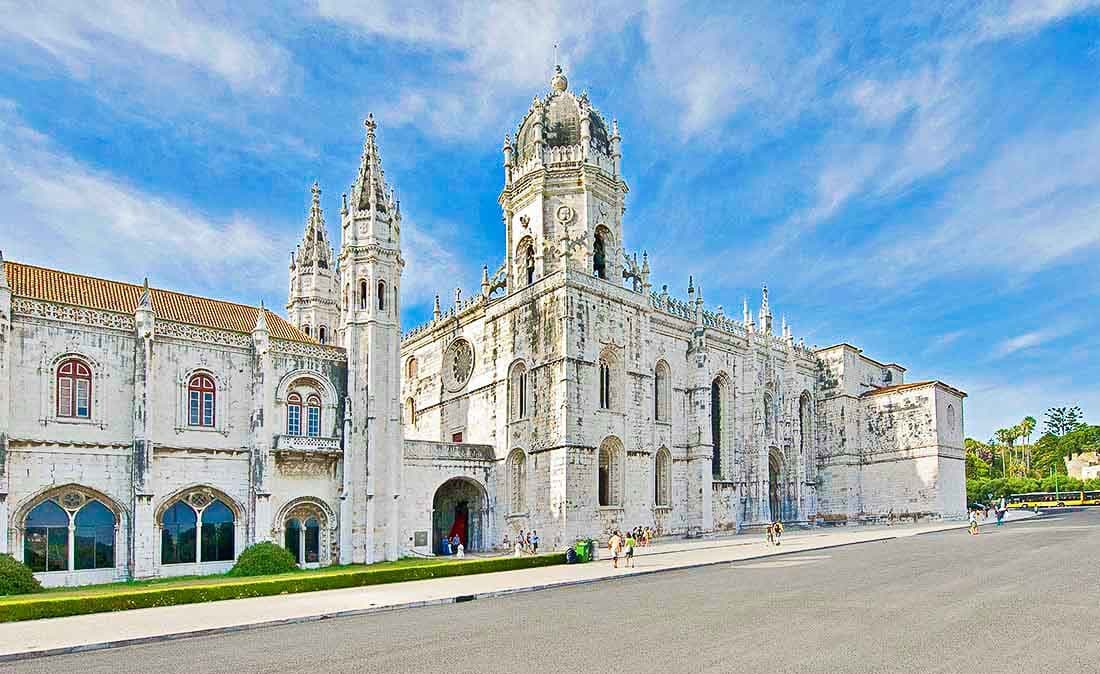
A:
x: 263, y: 559
x: 33, y: 608
x: 16, y: 577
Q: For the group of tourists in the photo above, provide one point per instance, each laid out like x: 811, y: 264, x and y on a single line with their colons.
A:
x: 775, y: 530
x: 452, y: 546
x: 527, y: 542
x: 999, y: 509
x: 623, y: 545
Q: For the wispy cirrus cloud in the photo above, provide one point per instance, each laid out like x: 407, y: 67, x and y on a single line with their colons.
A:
x: 1020, y: 17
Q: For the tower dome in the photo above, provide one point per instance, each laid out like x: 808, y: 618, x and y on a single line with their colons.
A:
x: 558, y: 120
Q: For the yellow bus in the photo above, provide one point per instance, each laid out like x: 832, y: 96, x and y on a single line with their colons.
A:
x: 1051, y: 499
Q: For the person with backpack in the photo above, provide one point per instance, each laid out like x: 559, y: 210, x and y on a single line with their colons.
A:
x: 631, y: 543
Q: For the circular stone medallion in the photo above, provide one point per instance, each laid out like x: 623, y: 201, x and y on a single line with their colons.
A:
x: 458, y: 364
x: 565, y: 214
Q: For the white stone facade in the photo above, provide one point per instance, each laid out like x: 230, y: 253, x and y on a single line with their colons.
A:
x: 567, y: 396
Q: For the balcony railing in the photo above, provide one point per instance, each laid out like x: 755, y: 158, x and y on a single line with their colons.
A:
x: 306, y: 443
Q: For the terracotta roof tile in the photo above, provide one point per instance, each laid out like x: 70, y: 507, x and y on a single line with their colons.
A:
x: 52, y: 285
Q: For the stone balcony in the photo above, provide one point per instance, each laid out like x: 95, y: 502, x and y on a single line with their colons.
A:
x: 307, y: 444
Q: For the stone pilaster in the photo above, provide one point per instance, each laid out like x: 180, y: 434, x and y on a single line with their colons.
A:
x: 143, y: 526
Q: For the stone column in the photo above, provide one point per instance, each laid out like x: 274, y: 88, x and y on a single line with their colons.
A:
x: 143, y: 544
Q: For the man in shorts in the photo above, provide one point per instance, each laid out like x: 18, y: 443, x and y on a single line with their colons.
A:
x: 631, y: 543
x: 615, y: 545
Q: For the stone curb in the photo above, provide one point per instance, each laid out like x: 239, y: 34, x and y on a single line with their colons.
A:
x: 229, y: 629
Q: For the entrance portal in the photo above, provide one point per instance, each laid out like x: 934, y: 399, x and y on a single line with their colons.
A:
x: 775, y: 475
x: 458, y: 509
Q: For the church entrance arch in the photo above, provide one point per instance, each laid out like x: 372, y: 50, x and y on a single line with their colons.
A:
x: 460, y: 508
x: 775, y: 484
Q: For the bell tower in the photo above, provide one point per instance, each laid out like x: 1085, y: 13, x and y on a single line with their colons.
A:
x: 311, y: 304
x: 370, y: 329
x: 563, y: 197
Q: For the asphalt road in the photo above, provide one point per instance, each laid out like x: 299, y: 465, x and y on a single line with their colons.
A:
x: 1021, y: 598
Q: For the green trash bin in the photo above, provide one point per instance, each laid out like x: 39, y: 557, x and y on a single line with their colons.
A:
x: 584, y: 554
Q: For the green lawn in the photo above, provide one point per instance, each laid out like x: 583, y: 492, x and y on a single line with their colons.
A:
x: 175, y: 591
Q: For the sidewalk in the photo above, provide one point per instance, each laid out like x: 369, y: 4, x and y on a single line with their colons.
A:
x: 90, y: 632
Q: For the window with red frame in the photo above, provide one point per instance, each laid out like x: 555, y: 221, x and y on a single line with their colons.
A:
x: 74, y: 390
x: 313, y: 416
x: 200, y: 401
x: 294, y: 414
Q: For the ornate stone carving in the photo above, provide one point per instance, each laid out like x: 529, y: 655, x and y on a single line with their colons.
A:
x: 308, y: 350
x: 565, y: 214
x: 72, y: 500
x: 458, y: 364
x: 197, y: 333
x: 69, y: 314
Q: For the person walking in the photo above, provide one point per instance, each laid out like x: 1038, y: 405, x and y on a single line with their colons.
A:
x: 614, y: 546
x: 631, y: 543
x: 1002, y: 507
x: 778, y: 531
x: 973, y: 524
x: 534, y: 542
x: 771, y: 533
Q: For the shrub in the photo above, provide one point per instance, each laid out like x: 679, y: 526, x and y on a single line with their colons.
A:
x: 16, y: 577
x: 48, y: 606
x: 263, y: 559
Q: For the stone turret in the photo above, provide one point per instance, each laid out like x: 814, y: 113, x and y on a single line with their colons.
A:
x: 314, y: 282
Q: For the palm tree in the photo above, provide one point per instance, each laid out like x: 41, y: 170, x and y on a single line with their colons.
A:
x: 1027, y: 427
x: 1004, y: 438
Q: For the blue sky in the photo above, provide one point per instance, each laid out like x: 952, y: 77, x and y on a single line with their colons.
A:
x: 920, y: 180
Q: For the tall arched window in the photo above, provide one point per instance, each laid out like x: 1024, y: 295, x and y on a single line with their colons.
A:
x: 606, y: 395
x: 197, y: 528
x: 805, y: 421
x: 74, y: 389
x: 381, y: 295
x: 517, y: 481
x: 721, y: 412
x: 410, y: 369
x: 178, y: 534
x: 363, y: 295
x: 200, y: 400
x: 303, y: 539
x: 294, y: 414
x: 529, y: 264
x: 410, y: 411
x: 599, y: 255
x: 322, y: 335
x: 517, y: 384
x: 313, y: 416
x: 94, y: 537
x: 305, y: 329
x: 46, y: 538
x: 217, y: 533
x: 662, y: 392
x: 610, y: 474
x: 662, y: 478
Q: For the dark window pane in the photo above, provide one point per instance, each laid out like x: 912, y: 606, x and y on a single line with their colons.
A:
x: 84, y: 540
x: 34, y: 548
x: 177, y: 542
x: 292, y: 539
x: 95, y: 537
x: 57, y: 549
x: 313, y: 541
x: 217, y: 533
x: 47, y: 514
x: 104, y: 547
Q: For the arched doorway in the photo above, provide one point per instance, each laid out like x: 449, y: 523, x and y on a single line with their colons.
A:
x: 775, y: 484
x: 459, y: 509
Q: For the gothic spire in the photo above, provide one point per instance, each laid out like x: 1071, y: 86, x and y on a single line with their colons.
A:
x: 145, y: 301
x: 261, y: 319
x: 369, y: 191
x: 314, y: 247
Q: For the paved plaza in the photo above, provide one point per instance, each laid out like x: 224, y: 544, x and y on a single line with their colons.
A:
x: 825, y: 594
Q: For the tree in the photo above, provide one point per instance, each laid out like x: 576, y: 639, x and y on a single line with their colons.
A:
x: 1027, y: 427
x: 1062, y: 420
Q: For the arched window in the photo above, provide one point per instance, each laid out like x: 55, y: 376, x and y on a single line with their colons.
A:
x: 294, y: 414
x: 74, y: 389
x: 200, y: 400
x: 410, y: 369
x: 303, y: 539
x: 662, y: 392
x: 662, y: 478
x: 313, y: 416
x: 805, y: 421
x: 381, y: 295
x: 363, y: 295
x: 517, y: 481
x: 94, y: 537
x: 410, y: 411
x: 305, y: 329
x: 46, y: 538
x: 605, y: 384
x: 610, y: 472
x: 529, y: 264
x: 182, y: 541
x: 78, y: 535
x: 599, y: 255
x: 178, y: 534
x: 322, y: 335
x: 517, y: 384
x: 720, y: 416
x: 217, y: 532
x: 292, y: 538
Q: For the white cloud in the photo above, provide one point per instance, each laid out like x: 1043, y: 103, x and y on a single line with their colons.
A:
x: 59, y: 212
x: 486, y: 50
x: 1027, y: 340
x: 1027, y: 16
x: 998, y: 403
x: 87, y: 37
